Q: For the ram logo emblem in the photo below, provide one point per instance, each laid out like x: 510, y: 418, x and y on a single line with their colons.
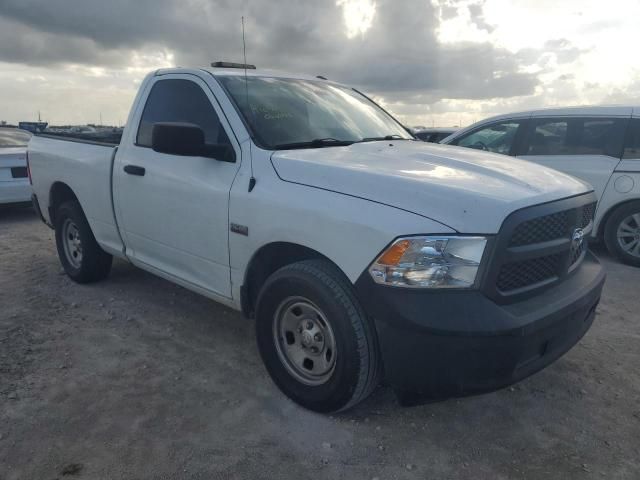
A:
x: 577, y: 238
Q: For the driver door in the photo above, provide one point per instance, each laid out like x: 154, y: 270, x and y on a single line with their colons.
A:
x: 173, y: 210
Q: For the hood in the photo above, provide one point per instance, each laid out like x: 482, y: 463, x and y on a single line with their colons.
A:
x: 468, y: 190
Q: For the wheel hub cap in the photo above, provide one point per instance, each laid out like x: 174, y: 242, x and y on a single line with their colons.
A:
x: 629, y: 235
x: 304, y: 341
x: 72, y: 243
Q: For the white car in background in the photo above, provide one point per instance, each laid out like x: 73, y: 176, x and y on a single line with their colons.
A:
x: 600, y: 145
x: 14, y: 177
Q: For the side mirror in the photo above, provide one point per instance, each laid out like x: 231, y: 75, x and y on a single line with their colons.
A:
x: 187, y: 139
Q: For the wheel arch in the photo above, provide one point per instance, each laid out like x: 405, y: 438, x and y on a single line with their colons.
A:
x: 59, y: 193
x: 602, y: 224
x: 265, y: 261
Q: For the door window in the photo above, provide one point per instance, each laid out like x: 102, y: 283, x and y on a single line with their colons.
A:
x: 184, y: 101
x: 632, y: 143
x: 498, y: 138
x: 575, y: 136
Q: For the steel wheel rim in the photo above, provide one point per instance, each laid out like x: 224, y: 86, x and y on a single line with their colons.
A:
x: 629, y: 235
x: 72, y: 243
x: 304, y: 341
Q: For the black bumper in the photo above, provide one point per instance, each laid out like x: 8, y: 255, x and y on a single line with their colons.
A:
x: 442, y: 344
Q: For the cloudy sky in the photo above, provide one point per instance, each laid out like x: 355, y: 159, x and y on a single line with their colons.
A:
x: 431, y: 62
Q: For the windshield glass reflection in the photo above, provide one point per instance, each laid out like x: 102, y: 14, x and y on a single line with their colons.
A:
x: 283, y: 111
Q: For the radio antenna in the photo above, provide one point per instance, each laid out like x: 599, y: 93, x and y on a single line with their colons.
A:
x: 252, y: 179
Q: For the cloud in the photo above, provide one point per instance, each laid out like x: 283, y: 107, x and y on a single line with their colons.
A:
x: 477, y: 17
x: 395, y: 52
x: 19, y: 43
x: 564, y: 50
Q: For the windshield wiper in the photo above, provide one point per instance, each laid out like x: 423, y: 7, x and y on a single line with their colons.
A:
x: 386, y: 137
x: 315, y: 143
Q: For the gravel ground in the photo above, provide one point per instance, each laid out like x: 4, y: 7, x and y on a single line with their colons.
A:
x: 137, y: 378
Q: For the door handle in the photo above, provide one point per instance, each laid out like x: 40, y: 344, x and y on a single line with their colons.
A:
x: 134, y: 170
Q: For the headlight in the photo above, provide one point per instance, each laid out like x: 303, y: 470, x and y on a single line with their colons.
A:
x: 430, y: 262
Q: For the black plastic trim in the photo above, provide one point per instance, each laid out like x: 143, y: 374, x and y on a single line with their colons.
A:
x: 504, y: 253
x: 36, y: 207
x: 456, y: 343
x: 19, y: 172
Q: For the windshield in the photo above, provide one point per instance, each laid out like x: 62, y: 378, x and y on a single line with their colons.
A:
x: 289, y: 112
x: 12, y: 137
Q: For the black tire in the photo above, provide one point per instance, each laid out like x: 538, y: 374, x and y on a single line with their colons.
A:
x: 619, y: 215
x: 356, y: 370
x: 94, y: 263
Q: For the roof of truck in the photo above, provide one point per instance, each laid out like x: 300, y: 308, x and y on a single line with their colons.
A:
x: 221, y: 72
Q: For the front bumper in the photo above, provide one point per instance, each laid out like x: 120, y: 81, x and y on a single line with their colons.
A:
x: 444, y: 343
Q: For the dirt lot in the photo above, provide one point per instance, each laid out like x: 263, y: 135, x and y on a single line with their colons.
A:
x: 137, y: 378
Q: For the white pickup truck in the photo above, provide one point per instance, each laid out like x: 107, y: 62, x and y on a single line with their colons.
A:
x: 362, y: 253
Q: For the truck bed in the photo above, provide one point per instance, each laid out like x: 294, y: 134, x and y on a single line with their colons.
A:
x: 111, y: 139
x: 85, y: 167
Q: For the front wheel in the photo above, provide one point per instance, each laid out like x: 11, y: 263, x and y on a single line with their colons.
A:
x: 315, y: 340
x: 622, y: 233
x: 82, y: 258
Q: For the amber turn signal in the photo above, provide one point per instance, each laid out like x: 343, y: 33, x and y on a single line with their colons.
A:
x: 393, y: 255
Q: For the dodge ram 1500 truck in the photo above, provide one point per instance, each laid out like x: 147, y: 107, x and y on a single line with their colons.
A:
x: 361, y: 253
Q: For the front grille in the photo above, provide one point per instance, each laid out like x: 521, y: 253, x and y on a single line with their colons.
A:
x: 587, y: 214
x: 540, y: 229
x: 550, y: 227
x: 539, y: 246
x: 19, y: 172
x: 517, y: 275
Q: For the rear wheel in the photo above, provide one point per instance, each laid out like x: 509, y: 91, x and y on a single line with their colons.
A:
x: 622, y: 233
x: 314, y: 337
x: 82, y: 258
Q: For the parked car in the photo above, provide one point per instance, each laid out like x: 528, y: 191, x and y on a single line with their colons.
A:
x: 600, y: 145
x: 14, y: 181
x: 433, y: 135
x: 303, y: 204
